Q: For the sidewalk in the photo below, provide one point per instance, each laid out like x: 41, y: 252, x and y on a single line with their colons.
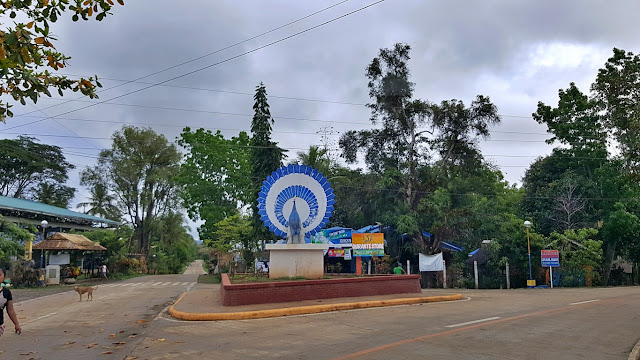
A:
x: 203, y: 303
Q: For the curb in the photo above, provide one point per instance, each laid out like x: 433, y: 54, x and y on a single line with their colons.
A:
x: 300, y: 310
x: 635, y: 353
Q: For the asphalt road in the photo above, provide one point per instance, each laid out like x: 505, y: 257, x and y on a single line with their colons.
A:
x: 125, y: 321
x: 490, y: 324
x: 118, y: 319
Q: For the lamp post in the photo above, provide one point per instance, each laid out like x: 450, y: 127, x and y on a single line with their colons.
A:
x: 44, y: 224
x: 531, y: 282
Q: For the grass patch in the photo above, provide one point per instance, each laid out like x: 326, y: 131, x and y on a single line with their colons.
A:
x: 209, y: 279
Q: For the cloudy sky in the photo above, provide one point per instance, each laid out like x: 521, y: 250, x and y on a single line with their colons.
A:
x: 515, y: 52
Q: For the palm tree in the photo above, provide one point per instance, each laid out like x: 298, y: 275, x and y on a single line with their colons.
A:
x: 101, y: 203
x: 317, y: 158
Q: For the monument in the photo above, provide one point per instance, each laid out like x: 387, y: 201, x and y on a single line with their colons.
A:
x: 295, y: 202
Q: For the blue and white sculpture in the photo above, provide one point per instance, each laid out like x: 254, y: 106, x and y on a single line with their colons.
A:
x: 298, y: 194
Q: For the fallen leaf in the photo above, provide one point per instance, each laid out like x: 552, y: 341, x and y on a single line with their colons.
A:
x: 141, y: 321
x: 107, y: 352
x: 131, y: 336
x: 119, y: 343
x: 111, y: 336
x: 161, y: 339
x: 179, y: 342
x: 120, y: 332
x: 101, y: 330
x: 131, y: 358
x: 70, y: 342
x: 91, y: 345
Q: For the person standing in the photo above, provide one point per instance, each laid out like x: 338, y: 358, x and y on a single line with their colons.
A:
x: 103, y: 271
x: 6, y: 302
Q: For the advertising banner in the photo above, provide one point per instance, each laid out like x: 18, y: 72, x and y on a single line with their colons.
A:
x: 367, y: 244
x: 337, y: 237
x: 335, y: 253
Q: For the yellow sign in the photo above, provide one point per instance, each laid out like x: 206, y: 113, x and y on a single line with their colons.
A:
x: 531, y: 283
x: 367, y: 241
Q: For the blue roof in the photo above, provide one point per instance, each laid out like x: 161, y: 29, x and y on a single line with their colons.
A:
x: 473, y: 252
x: 450, y: 246
x: 10, y: 203
x: 369, y: 229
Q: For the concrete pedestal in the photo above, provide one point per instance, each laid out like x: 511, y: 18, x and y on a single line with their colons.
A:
x: 290, y: 260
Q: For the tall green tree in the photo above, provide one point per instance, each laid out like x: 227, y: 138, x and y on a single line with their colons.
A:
x: 410, y: 132
x: 25, y: 163
x: 215, y: 176
x: 316, y: 157
x: 266, y: 156
x: 616, y: 94
x: 140, y: 170
x: 27, y: 53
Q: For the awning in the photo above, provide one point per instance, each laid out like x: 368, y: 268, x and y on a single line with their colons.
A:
x: 450, y: 246
x: 474, y: 252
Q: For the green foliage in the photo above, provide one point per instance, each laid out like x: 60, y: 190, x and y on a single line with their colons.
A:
x: 215, y: 176
x: 140, y: 169
x: 53, y: 194
x: 27, y: 52
x: 578, y: 248
x: 24, y: 164
x: 101, y: 202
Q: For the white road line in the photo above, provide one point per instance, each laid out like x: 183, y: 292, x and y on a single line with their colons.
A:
x: 156, y: 283
x: 185, y: 283
x: 42, y: 317
x: 473, y: 322
x: 584, y: 302
x: 175, y: 284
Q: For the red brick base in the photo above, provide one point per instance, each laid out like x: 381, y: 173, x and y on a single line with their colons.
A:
x: 283, y: 291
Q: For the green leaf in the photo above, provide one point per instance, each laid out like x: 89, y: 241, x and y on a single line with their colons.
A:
x: 75, y: 17
x: 12, y: 15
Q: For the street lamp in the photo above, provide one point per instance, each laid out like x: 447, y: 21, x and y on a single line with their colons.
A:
x: 530, y: 282
x: 44, y: 224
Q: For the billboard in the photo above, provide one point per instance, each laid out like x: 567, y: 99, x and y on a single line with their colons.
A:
x: 336, y: 237
x: 550, y: 258
x: 367, y: 244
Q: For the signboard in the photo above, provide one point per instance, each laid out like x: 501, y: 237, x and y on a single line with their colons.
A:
x: 335, y: 253
x: 550, y: 258
x: 337, y: 237
x: 59, y: 259
x: 347, y: 254
x: 367, y: 244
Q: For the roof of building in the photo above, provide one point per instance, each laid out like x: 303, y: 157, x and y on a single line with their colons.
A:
x: 62, y: 241
x: 28, y: 206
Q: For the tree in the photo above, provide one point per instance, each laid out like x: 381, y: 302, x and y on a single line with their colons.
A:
x: 101, y: 202
x: 619, y: 229
x: 53, y: 194
x: 236, y: 231
x: 215, y: 176
x: 25, y: 163
x: 26, y: 48
x: 266, y: 157
x: 617, y: 97
x: 579, y: 249
x: 316, y: 157
x: 410, y: 131
x: 140, y: 170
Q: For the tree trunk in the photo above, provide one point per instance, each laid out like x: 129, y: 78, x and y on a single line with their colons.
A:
x: 609, y: 255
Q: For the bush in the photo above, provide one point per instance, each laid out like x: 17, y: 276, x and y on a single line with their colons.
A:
x: 24, y: 273
x: 127, y: 266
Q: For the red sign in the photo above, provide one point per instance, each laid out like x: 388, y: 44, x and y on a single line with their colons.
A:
x: 550, y: 254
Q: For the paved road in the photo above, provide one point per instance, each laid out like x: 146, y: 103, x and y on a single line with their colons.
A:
x: 492, y: 324
x: 118, y: 319
x: 125, y: 322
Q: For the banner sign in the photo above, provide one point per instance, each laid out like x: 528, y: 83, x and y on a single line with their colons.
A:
x: 550, y: 258
x: 367, y: 244
x: 338, y: 237
x: 335, y: 253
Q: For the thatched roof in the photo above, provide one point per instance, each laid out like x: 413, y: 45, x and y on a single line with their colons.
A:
x: 61, y: 241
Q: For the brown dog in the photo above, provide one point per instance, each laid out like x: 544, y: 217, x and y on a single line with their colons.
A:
x: 85, y: 289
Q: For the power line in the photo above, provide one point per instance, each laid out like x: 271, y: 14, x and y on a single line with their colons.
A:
x: 125, y: 82
x: 211, y: 65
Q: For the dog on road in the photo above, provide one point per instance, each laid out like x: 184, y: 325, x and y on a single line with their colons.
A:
x: 85, y: 289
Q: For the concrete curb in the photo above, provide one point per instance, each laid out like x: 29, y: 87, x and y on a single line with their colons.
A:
x: 313, y: 309
x: 635, y: 353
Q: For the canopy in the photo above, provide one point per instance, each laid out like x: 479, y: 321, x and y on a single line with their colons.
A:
x: 62, y: 241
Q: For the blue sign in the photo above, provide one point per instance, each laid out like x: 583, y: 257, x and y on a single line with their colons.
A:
x: 550, y: 258
x: 337, y: 237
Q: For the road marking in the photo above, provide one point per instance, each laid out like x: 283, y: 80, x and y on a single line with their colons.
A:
x: 584, y: 302
x: 175, y: 284
x: 42, y: 317
x: 473, y: 322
